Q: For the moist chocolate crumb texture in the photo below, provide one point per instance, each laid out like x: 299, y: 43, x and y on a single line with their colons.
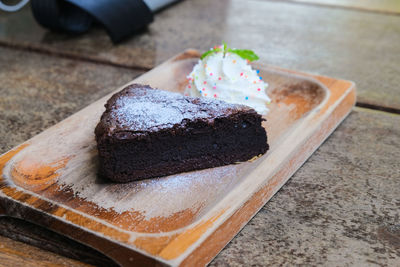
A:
x: 146, y: 132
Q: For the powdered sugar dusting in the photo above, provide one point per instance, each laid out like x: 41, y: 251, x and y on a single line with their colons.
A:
x: 157, y: 197
x: 143, y: 108
x: 156, y: 114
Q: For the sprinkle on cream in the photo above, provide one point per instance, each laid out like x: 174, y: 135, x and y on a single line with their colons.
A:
x: 230, y: 78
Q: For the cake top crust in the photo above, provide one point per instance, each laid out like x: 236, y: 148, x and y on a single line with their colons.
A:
x: 140, y: 108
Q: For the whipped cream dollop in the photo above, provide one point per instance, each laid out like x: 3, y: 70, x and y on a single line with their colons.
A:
x: 228, y: 77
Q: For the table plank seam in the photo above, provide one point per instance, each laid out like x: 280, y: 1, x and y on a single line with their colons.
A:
x: 360, y: 9
x: 377, y: 107
x: 68, y: 55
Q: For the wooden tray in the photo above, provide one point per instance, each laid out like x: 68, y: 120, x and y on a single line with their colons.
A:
x: 183, y: 219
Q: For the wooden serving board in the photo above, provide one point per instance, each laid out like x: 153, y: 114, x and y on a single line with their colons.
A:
x: 183, y: 219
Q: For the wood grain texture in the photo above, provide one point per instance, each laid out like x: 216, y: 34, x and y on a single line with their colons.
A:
x: 33, y: 234
x: 342, y: 43
x: 18, y: 254
x: 37, y: 91
x: 55, y: 173
x: 330, y: 210
x: 384, y: 6
x: 340, y: 208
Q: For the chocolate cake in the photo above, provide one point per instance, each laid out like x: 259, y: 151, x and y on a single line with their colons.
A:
x: 147, y: 132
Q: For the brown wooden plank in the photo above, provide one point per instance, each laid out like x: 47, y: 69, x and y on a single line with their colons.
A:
x: 331, y: 210
x: 341, y: 207
x: 348, y: 44
x: 36, y: 183
x: 18, y: 254
x: 36, y: 91
x: 50, y: 241
x: 385, y: 6
x: 388, y: 232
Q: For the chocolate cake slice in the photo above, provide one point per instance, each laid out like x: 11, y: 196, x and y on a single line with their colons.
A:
x: 147, y: 132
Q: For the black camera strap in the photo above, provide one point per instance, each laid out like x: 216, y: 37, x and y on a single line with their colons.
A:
x: 121, y: 18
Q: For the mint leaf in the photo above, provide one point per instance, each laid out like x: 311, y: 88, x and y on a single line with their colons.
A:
x: 209, y: 52
x: 245, y: 54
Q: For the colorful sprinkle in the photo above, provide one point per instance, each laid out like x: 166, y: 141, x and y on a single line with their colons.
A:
x: 215, y: 95
x: 205, y: 94
x: 200, y: 91
x: 259, y: 89
x: 204, y: 89
x: 241, y: 74
x: 260, y: 78
x: 247, y: 98
x: 211, y: 74
x: 189, y: 86
x: 234, y: 61
x: 214, y: 87
x: 254, y: 82
x: 204, y: 82
x: 258, y: 71
x: 219, y: 78
x: 246, y: 76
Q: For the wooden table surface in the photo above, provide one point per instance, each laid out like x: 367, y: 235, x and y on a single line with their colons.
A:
x: 341, y: 208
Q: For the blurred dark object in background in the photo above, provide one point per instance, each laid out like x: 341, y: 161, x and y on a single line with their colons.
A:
x: 121, y: 18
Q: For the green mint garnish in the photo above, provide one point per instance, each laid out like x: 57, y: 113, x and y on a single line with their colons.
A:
x: 209, y: 52
x: 243, y: 53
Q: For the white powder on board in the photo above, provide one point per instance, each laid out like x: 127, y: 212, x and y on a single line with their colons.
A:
x: 158, y: 197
